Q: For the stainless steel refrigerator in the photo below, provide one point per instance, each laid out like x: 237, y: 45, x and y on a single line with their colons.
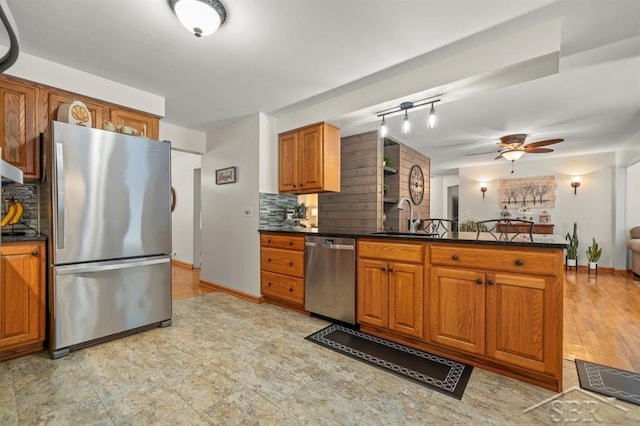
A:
x: 109, y: 235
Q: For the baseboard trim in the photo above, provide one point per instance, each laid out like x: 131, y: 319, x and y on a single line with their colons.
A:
x: 181, y: 263
x: 232, y: 292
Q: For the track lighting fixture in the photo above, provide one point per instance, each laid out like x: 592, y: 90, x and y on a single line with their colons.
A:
x: 406, y: 124
x: 432, y: 119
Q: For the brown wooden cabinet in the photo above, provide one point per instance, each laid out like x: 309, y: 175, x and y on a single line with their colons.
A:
x: 501, y: 303
x: 282, y: 269
x: 390, y: 291
x: 145, y: 124
x: 22, y: 299
x: 309, y: 159
x: 97, y: 111
x: 18, y: 136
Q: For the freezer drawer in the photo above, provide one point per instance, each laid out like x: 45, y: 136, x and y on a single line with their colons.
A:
x: 94, y: 300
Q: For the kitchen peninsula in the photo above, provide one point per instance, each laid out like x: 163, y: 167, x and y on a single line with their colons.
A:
x: 465, y: 296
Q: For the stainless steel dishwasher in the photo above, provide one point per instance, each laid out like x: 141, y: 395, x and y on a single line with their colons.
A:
x: 330, y: 277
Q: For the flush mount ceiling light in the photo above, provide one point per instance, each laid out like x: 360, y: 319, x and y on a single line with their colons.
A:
x: 432, y: 119
x: 201, y: 17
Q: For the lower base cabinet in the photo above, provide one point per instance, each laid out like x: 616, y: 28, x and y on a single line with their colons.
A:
x: 22, y: 299
x: 498, y: 308
x: 282, y: 269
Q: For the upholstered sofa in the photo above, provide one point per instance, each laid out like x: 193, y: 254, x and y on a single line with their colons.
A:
x: 634, y: 246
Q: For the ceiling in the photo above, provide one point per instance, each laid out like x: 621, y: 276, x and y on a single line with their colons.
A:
x: 270, y: 55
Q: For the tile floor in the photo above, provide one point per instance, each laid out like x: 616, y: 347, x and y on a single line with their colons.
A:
x: 229, y: 361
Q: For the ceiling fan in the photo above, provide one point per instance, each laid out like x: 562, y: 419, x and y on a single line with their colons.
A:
x: 513, y: 147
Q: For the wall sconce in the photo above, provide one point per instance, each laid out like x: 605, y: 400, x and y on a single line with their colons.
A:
x: 483, y: 188
x: 575, y: 183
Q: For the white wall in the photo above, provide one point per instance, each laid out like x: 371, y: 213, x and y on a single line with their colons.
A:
x: 592, y: 208
x: 182, y: 166
x: 63, y: 77
x: 183, y: 139
x: 268, y: 181
x: 632, y: 212
x: 230, y: 241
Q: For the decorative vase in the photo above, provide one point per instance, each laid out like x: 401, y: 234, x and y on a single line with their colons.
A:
x: 593, y: 265
x: 572, y: 262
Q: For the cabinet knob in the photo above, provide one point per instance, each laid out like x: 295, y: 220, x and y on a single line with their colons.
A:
x: 383, y: 269
x: 34, y: 253
x: 290, y: 263
x: 390, y: 269
x: 290, y: 243
x: 294, y: 185
x: 268, y: 241
x: 268, y: 260
x: 455, y: 257
x: 301, y: 185
x: 290, y: 290
x: 479, y: 281
x: 489, y: 282
x: 269, y: 284
x: 519, y: 262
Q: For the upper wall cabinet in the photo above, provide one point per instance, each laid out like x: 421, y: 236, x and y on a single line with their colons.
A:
x: 309, y: 160
x: 96, y: 110
x: 145, y: 125
x: 18, y: 136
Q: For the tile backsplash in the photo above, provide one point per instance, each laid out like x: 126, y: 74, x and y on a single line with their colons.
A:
x: 27, y: 194
x: 273, y: 210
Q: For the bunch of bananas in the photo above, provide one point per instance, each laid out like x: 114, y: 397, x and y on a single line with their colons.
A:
x: 14, y: 213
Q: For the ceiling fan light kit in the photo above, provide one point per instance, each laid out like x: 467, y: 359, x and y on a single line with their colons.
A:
x: 200, y: 17
x: 432, y: 118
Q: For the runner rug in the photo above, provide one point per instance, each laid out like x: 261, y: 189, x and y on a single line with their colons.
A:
x: 435, y: 372
x: 621, y: 384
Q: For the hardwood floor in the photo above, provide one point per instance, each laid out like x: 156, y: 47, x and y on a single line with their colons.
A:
x: 602, y: 319
x: 601, y: 315
x: 186, y: 282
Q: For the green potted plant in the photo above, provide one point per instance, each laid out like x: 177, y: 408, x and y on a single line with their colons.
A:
x: 386, y: 161
x: 593, y: 254
x: 572, y: 250
x: 385, y: 188
x: 299, y: 211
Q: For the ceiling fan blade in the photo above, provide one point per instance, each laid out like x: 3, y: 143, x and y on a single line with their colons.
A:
x: 498, y: 157
x: 543, y: 143
x: 537, y: 150
x: 481, y: 153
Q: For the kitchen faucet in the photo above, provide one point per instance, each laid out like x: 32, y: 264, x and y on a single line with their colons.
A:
x: 414, y: 224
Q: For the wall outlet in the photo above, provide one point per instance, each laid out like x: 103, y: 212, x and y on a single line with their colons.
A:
x: 248, y: 212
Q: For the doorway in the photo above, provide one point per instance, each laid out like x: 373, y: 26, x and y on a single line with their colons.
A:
x: 452, y: 204
x: 197, y: 220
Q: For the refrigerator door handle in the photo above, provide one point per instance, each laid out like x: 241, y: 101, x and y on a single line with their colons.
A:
x: 89, y: 268
x: 60, y: 194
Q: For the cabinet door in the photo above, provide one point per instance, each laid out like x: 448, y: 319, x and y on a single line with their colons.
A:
x: 520, y: 325
x: 373, y: 292
x: 406, y: 299
x: 95, y: 109
x: 310, y: 159
x: 457, y: 309
x: 21, y: 295
x: 144, y: 124
x: 18, y: 139
x: 288, y: 154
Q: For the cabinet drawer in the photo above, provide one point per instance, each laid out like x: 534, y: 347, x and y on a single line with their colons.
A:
x: 532, y: 262
x: 282, y: 286
x: 282, y: 241
x: 407, y: 252
x: 282, y: 261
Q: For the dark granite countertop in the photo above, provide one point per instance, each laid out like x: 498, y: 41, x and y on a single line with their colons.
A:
x: 485, y: 238
x: 30, y: 236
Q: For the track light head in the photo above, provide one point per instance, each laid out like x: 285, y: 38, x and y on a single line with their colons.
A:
x: 406, y: 124
x: 432, y: 118
x: 383, y: 128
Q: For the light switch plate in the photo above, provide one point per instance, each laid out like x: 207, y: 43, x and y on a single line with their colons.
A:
x: 248, y: 212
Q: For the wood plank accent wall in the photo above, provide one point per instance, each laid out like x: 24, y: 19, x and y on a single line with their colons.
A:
x: 358, y: 205
x: 409, y: 157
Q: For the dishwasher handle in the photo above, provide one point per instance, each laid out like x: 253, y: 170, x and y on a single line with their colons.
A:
x: 330, y: 246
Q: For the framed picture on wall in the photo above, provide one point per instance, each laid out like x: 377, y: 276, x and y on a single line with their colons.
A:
x: 226, y: 175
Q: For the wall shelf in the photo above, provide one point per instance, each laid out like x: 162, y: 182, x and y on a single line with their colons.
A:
x: 389, y: 200
x: 390, y: 170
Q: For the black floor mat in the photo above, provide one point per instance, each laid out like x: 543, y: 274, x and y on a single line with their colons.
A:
x: 435, y: 372
x: 621, y: 384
